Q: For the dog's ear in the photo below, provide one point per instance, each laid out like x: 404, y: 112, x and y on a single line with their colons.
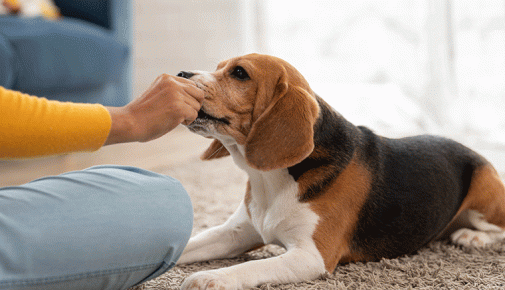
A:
x: 215, y: 150
x: 282, y: 136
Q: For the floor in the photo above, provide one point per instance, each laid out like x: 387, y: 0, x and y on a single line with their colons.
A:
x: 168, y: 151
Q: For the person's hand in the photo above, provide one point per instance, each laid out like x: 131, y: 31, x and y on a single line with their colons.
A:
x: 168, y: 102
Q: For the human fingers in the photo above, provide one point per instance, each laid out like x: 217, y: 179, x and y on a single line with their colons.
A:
x: 197, y: 93
x: 164, y: 81
x: 159, y: 83
x: 191, y: 88
x: 192, y: 102
x: 190, y: 114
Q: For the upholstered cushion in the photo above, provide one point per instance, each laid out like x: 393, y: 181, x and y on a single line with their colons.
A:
x: 68, y: 54
x: 94, y: 11
x: 6, y: 63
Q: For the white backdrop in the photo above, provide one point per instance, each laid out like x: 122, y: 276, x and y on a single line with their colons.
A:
x: 400, y: 67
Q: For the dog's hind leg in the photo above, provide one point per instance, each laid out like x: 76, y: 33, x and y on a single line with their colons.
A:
x: 481, y: 218
x: 480, y: 233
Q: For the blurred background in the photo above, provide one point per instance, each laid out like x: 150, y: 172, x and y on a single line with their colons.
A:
x: 400, y: 67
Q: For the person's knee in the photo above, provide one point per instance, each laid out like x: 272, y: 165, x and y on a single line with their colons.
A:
x: 163, y: 196
x: 106, y: 223
x: 171, y: 228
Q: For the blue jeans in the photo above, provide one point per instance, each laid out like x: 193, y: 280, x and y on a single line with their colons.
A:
x: 106, y: 227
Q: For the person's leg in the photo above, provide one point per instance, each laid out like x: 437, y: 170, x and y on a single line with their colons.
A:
x: 106, y: 227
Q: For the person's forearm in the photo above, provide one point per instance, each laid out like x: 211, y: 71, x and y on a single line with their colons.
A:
x: 31, y: 126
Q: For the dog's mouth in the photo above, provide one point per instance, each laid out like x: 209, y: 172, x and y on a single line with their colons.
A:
x: 205, y: 118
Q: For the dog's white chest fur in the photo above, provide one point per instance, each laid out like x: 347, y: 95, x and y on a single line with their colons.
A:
x: 275, y: 211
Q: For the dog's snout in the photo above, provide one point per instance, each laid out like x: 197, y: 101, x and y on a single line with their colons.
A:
x: 185, y: 74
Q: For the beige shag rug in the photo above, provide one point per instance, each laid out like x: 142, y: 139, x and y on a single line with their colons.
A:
x: 216, y: 188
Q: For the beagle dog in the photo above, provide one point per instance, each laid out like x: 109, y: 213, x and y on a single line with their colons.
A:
x: 328, y: 191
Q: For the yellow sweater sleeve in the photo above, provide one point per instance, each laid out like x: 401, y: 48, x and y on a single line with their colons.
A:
x: 32, y: 127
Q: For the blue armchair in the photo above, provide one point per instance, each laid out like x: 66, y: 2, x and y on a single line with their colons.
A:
x: 84, y: 57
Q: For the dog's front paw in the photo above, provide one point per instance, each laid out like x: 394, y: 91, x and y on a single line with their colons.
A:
x: 209, y: 280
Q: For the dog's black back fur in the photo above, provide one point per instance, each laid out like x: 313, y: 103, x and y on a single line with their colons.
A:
x: 418, y: 186
x: 418, y: 183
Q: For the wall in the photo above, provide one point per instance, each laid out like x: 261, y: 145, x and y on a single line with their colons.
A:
x: 175, y: 35
x: 400, y: 66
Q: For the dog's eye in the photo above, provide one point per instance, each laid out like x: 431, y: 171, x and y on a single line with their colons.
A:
x: 240, y: 73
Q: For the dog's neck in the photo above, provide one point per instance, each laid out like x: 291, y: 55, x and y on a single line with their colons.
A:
x: 237, y: 152
x: 265, y: 184
x: 334, y: 133
x: 336, y: 140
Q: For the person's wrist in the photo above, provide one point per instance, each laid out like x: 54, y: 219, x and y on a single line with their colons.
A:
x: 121, y: 130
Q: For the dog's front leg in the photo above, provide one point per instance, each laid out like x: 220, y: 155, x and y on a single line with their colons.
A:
x: 295, y: 265
x: 236, y: 236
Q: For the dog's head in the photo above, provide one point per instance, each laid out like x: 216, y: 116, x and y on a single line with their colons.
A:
x: 260, y: 102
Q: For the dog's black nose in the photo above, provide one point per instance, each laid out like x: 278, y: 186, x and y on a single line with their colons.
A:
x: 185, y: 74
